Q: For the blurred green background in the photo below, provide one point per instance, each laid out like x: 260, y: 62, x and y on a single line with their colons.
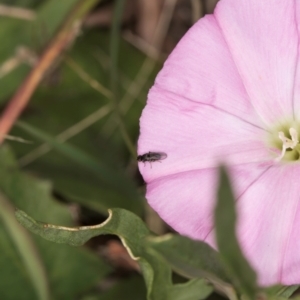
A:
x: 71, y: 156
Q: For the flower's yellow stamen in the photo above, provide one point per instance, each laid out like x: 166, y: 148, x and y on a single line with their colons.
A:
x: 288, y: 143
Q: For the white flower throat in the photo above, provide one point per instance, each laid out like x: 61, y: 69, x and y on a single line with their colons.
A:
x: 288, y: 143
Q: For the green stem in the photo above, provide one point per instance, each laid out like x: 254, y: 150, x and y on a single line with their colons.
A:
x: 114, y: 53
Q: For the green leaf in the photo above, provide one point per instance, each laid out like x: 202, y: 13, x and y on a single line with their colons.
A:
x: 190, y: 258
x: 13, y: 272
x: 194, y: 259
x: 225, y: 219
x: 194, y: 289
x: 132, y: 232
x: 80, y: 235
x: 26, y: 248
x: 70, y: 271
x: 281, y: 291
x: 287, y: 291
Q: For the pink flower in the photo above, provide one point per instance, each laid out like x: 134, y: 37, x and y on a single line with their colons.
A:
x: 230, y: 92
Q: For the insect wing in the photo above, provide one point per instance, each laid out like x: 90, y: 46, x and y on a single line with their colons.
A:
x: 160, y: 155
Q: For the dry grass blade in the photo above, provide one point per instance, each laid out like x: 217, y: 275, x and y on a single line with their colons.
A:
x: 17, y: 139
x: 65, y: 135
x: 17, y: 12
x: 96, y: 85
x: 22, y: 55
x: 197, y: 10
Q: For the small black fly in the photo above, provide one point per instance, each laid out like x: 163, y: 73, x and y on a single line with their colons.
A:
x: 152, y: 157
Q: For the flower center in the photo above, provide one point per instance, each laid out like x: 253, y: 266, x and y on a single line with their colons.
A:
x: 290, y: 145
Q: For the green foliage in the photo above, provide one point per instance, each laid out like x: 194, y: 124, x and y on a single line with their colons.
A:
x: 284, y: 292
x: 68, y: 271
x: 199, y: 259
x: 132, y: 231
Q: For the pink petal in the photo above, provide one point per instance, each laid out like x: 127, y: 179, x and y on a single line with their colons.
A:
x: 186, y: 200
x: 296, y: 101
x: 195, y: 136
x: 290, y: 273
x: 267, y: 226
x: 263, y: 40
x: 201, y: 69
